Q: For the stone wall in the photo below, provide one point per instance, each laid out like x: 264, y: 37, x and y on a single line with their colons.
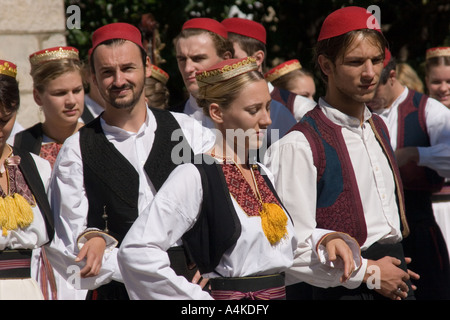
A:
x: 27, y: 26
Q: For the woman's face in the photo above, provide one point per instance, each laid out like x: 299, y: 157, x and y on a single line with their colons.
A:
x: 7, y: 120
x: 246, y: 120
x: 62, y: 100
x: 438, y: 83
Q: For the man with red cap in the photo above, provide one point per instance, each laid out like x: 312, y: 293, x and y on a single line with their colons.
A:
x: 419, y: 128
x: 343, y: 150
x: 202, y: 43
x: 109, y: 171
x: 249, y: 38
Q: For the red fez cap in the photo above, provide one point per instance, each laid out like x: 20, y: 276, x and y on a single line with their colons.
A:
x: 437, y: 52
x: 54, y: 53
x: 246, y: 27
x: 282, y: 69
x: 345, y: 20
x: 118, y: 30
x: 8, y: 68
x: 206, y: 24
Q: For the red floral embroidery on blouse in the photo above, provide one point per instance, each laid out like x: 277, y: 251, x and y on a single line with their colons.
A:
x: 17, y: 184
x: 49, y: 151
x: 242, y: 191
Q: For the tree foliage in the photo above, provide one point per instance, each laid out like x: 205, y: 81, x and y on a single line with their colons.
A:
x: 411, y: 26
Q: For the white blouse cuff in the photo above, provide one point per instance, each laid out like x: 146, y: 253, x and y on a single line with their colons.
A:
x: 111, y: 242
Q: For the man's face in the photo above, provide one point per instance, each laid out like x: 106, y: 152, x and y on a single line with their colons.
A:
x: 355, y: 75
x: 195, y: 53
x: 120, y: 74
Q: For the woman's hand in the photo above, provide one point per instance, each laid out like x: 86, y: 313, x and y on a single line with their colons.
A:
x: 93, y: 251
x: 337, y: 248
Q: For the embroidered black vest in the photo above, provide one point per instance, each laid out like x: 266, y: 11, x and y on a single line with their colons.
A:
x: 30, y: 139
x: 412, y: 131
x: 112, y: 183
x: 339, y: 205
x: 32, y: 177
x: 218, y: 226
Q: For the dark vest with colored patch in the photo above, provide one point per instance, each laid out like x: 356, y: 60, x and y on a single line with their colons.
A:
x: 412, y: 132
x: 339, y: 205
x: 285, y: 97
x: 112, y: 183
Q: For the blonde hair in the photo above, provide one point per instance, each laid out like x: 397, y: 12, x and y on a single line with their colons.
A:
x: 43, y: 73
x: 407, y: 76
x: 157, y: 93
x: 225, y: 92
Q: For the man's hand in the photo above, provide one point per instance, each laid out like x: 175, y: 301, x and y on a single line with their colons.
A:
x: 93, y: 251
x: 392, y: 278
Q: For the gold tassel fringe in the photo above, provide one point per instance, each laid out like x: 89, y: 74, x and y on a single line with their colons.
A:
x: 15, y: 212
x: 274, y: 222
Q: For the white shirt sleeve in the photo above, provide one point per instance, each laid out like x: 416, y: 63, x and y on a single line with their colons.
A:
x: 142, y: 256
x: 437, y: 156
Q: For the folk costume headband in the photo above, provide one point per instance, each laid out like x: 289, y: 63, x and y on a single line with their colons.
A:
x: 282, y: 69
x: 159, y: 74
x: 437, y: 52
x: 206, y: 24
x: 225, y: 70
x: 345, y: 20
x: 8, y: 68
x: 54, y: 53
x: 117, y: 30
x: 246, y: 27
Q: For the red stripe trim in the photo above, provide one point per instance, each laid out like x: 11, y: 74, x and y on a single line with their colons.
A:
x: 264, y: 294
x: 15, y: 264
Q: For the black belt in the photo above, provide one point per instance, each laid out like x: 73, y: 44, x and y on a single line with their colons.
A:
x: 15, y: 264
x: 254, y: 288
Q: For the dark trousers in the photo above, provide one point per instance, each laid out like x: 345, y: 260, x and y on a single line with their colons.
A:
x: 427, y: 248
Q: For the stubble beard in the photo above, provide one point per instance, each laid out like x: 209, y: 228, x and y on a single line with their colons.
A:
x: 126, y: 104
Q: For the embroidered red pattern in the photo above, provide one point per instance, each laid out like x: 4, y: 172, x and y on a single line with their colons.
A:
x: 49, y: 151
x: 17, y: 184
x: 242, y: 191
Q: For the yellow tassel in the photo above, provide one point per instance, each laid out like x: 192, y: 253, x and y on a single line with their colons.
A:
x: 24, y: 213
x: 274, y: 222
x: 15, y: 212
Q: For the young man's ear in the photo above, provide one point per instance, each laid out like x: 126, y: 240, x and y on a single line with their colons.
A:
x: 215, y: 112
x: 259, y: 56
x: 148, y: 67
x: 325, y: 65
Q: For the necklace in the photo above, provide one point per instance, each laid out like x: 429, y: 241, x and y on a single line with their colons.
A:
x: 273, y: 217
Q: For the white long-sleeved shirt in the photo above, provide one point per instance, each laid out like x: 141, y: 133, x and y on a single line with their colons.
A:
x: 68, y: 196
x: 437, y: 118
x: 291, y: 162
